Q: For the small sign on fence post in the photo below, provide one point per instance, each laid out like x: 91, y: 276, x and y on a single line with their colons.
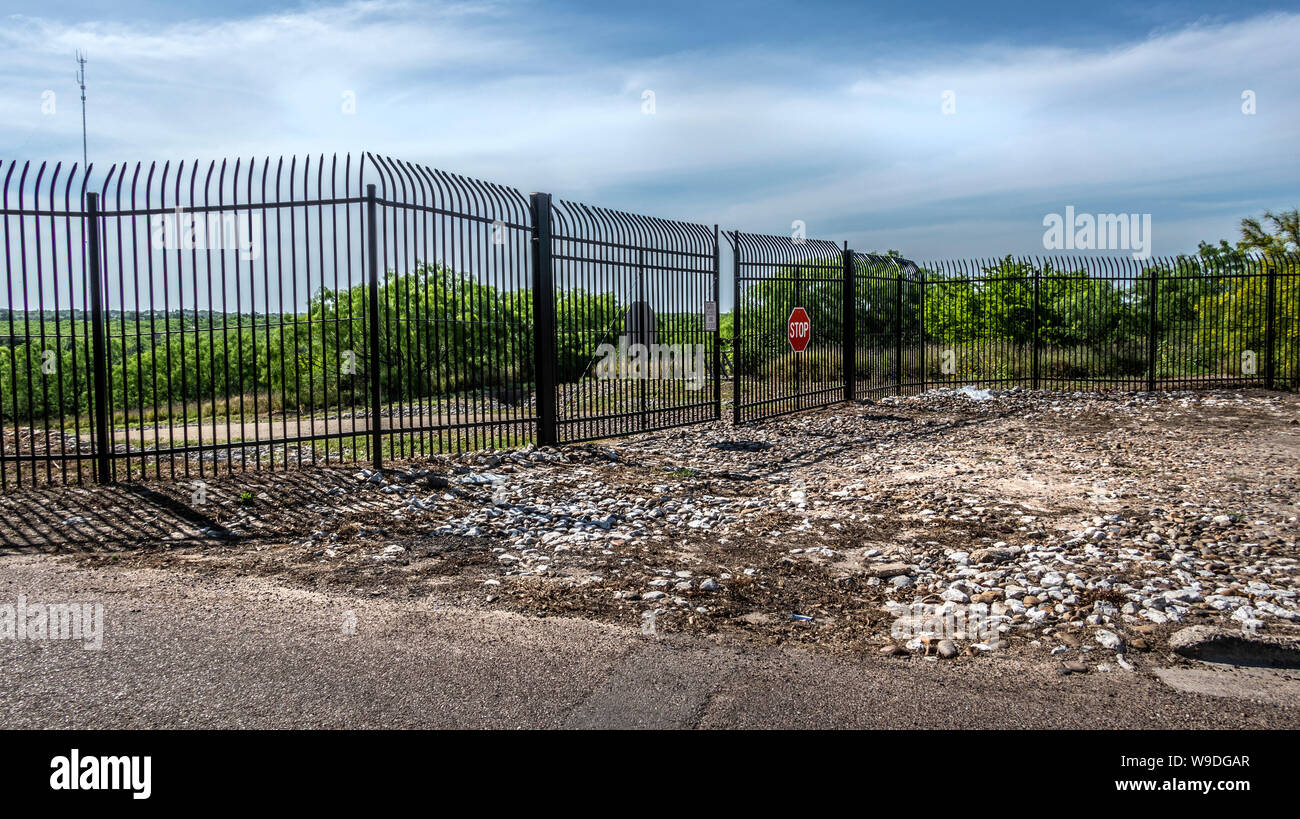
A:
x: 710, y: 317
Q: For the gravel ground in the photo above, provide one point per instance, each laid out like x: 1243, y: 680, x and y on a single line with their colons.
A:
x: 1077, y: 531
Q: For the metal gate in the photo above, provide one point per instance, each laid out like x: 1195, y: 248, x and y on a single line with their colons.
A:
x: 634, y: 338
x: 775, y: 275
x: 456, y: 337
x: 888, y: 295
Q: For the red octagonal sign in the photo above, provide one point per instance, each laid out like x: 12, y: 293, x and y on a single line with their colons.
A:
x: 798, y: 329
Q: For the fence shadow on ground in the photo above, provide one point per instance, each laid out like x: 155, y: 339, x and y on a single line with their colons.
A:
x: 162, y: 514
x: 812, y: 455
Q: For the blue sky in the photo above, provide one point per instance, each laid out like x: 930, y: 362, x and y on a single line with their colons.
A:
x: 765, y: 113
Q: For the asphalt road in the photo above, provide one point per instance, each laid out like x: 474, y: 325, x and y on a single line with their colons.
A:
x: 181, y: 651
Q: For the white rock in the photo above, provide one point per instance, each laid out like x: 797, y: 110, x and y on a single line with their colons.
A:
x: 956, y: 596
x: 1111, y: 640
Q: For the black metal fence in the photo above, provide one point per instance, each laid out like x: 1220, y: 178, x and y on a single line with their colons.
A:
x: 886, y: 324
x: 1223, y: 320
x: 455, y: 314
x: 775, y: 276
x: 186, y: 320
x: 632, y: 352
x: 1061, y: 323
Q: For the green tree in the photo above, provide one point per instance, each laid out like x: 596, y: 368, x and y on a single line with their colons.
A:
x: 1284, y: 238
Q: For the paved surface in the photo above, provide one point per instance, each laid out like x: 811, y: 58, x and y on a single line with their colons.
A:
x: 1279, y: 686
x: 192, y: 652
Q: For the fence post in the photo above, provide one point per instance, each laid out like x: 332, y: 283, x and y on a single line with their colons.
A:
x: 898, y: 332
x: 99, y: 352
x: 1037, y: 346
x: 543, y: 319
x: 717, y: 326
x: 921, y: 327
x: 1151, y: 332
x: 376, y: 403
x: 736, y: 314
x: 850, y: 344
x: 1270, y: 327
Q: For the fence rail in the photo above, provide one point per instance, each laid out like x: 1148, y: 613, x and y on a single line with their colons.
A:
x: 183, y: 320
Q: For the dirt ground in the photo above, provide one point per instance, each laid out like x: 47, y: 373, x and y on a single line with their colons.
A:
x: 1064, y: 518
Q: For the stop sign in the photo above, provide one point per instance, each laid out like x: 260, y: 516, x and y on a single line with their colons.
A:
x: 798, y: 329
